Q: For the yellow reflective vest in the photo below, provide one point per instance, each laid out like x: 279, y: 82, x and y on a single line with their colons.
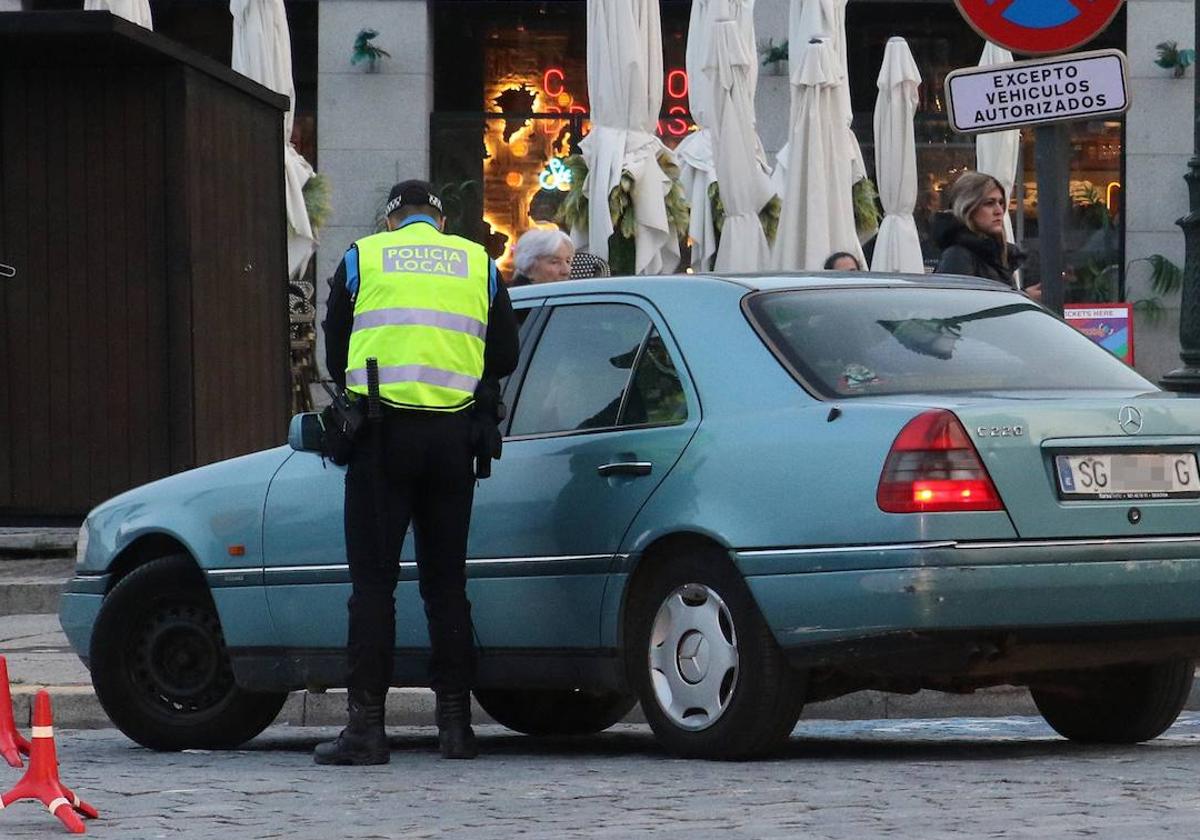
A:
x: 421, y: 311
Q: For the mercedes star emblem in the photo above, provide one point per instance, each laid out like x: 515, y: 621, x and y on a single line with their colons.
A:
x: 1130, y: 420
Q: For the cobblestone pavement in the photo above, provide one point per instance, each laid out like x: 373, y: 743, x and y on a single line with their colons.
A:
x: 927, y: 779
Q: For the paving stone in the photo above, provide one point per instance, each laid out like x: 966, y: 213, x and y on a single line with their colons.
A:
x: 1007, y: 777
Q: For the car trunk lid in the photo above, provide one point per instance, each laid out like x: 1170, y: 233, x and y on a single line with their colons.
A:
x: 1066, y: 466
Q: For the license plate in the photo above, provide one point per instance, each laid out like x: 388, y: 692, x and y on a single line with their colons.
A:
x: 1128, y: 476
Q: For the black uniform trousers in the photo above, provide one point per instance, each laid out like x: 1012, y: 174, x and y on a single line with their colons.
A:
x: 411, y: 466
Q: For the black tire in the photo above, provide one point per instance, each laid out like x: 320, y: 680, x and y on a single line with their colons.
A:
x: 759, y: 698
x: 160, y: 668
x: 554, y: 711
x: 1118, y: 705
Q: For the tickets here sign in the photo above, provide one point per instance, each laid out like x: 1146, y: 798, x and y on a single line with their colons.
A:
x: 1110, y: 325
x: 1069, y: 87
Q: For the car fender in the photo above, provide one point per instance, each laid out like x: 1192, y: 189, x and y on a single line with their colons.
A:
x: 216, y: 514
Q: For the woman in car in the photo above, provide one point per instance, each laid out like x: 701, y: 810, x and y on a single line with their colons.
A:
x: 542, y: 255
x: 971, y: 232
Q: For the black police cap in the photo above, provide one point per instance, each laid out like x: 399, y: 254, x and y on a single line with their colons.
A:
x: 412, y: 193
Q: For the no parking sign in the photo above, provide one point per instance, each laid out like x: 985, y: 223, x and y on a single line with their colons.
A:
x: 1039, y: 27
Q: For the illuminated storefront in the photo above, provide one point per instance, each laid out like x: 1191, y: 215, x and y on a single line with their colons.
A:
x: 532, y: 70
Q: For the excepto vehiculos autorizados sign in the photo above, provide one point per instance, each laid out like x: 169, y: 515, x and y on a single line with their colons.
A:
x: 1076, y: 86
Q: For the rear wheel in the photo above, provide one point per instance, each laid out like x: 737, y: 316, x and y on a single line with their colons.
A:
x: 1118, y: 705
x: 554, y: 711
x: 712, y: 681
x: 160, y: 668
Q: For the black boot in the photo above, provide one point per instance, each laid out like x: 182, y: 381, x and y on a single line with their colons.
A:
x: 363, y: 741
x: 455, y: 737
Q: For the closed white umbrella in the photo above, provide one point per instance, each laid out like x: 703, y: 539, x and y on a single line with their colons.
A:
x: 996, y: 153
x: 897, y: 246
x: 137, y: 11
x: 625, y: 78
x: 697, y: 169
x: 697, y: 172
x: 818, y: 210
x: 745, y: 187
x: 262, y: 51
x: 810, y: 19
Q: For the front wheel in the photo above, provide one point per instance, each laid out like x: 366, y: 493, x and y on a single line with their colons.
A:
x: 1123, y: 704
x: 160, y: 668
x: 711, y: 678
x: 554, y: 711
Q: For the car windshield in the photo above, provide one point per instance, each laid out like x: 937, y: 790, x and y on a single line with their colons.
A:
x: 870, y: 341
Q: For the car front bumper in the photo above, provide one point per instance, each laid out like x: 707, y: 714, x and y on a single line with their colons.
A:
x: 78, y: 608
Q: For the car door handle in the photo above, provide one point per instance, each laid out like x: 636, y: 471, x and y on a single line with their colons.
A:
x: 625, y: 468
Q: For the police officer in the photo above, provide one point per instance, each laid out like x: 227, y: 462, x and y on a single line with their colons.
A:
x: 431, y: 309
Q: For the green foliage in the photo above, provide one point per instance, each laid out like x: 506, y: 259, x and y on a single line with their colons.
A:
x: 768, y: 216
x: 1170, y: 57
x: 771, y: 53
x: 1094, y: 282
x: 1166, y: 278
x: 866, y: 208
x: 462, y: 202
x: 573, y: 212
x: 316, y: 201
x: 1089, y: 205
x: 364, y: 50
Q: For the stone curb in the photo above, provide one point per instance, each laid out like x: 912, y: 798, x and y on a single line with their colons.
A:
x: 25, y: 596
x: 39, y: 540
x: 76, y: 707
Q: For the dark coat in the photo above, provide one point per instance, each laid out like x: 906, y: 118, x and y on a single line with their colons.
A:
x: 966, y: 252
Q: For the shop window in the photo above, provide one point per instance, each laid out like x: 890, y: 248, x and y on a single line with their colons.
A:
x: 1093, y: 229
x: 529, y: 99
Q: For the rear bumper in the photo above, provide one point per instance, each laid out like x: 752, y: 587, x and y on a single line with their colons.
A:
x: 817, y: 598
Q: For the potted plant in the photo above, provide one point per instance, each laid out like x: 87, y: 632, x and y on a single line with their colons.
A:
x: 775, y: 57
x: 364, y: 50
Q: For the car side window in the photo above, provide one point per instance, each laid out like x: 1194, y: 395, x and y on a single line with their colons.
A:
x: 580, y: 369
x: 524, y: 327
x: 656, y: 396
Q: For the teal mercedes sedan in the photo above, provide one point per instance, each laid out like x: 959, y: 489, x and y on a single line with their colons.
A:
x: 721, y: 497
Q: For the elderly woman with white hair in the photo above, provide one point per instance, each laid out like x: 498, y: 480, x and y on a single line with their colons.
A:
x: 542, y: 255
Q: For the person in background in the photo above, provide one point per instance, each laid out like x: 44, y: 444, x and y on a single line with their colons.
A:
x: 585, y: 265
x: 971, y: 232
x: 542, y: 255
x: 842, y: 261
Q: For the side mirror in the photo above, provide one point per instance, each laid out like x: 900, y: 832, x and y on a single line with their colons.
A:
x: 304, y: 433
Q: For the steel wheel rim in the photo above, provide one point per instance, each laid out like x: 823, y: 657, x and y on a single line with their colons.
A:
x: 178, y: 660
x: 693, y: 657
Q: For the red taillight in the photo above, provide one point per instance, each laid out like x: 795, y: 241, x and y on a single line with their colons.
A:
x: 933, y: 467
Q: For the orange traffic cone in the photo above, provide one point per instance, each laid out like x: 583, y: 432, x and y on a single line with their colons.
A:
x: 41, y: 781
x: 11, y: 742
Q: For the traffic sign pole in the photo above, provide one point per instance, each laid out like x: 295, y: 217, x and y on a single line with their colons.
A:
x: 1052, y: 159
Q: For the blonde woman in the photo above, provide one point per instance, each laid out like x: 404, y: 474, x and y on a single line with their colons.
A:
x: 971, y: 232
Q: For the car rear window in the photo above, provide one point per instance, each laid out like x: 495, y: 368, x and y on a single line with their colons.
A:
x: 869, y: 341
